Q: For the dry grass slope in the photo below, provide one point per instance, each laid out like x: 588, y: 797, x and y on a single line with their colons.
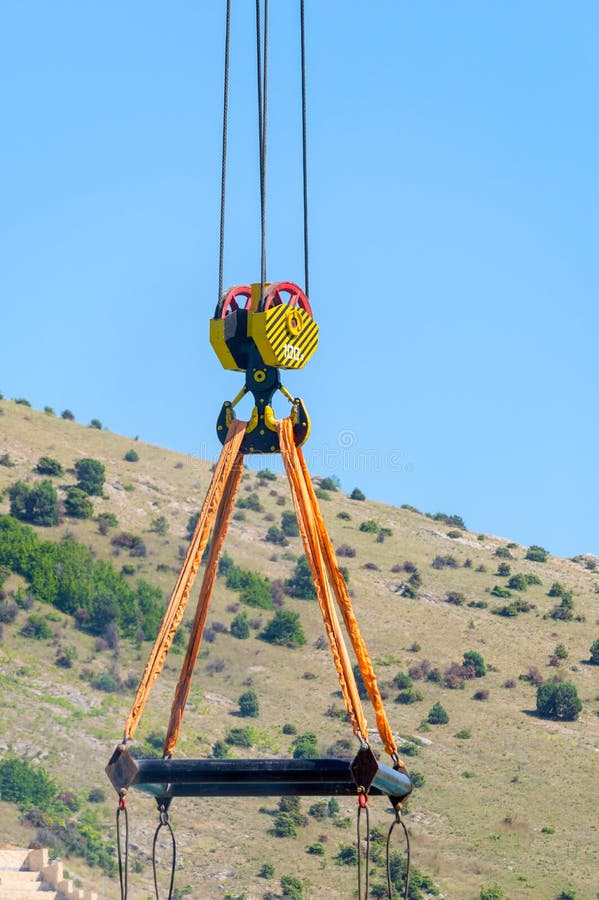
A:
x: 514, y: 804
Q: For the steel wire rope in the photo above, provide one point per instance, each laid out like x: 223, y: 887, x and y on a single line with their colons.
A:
x: 398, y: 821
x: 122, y: 857
x: 304, y: 146
x: 262, y: 75
x: 223, y: 177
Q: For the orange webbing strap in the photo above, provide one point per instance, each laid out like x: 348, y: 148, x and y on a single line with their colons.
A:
x: 176, y: 607
x: 309, y: 512
x: 312, y: 544
x: 351, y: 623
x: 195, y: 639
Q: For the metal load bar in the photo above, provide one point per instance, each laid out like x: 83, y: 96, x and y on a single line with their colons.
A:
x: 323, y: 777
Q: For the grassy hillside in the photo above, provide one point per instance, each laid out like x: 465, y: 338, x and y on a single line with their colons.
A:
x: 510, y: 801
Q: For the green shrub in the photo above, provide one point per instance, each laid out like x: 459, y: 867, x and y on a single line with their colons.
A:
x: 220, y: 750
x: 240, y: 737
x: 499, y: 591
x: 594, y: 651
x: 558, y: 700
x: 454, y: 535
x: 266, y: 475
x: 301, y: 584
x: 37, y: 504
x: 21, y: 401
x: 77, y: 504
x: 284, y: 630
x: 292, y: 887
x: 46, y: 465
x: 464, y: 734
x: 556, y: 590
x: 560, y: 652
x: 475, y: 660
x: 411, y: 695
x: 26, y: 785
x: 131, y: 456
x: 289, y: 524
x: 5, y: 460
x: 68, y: 415
x: 518, y: 583
x: 105, y: 521
x: 252, y: 502
x: 267, y: 870
x: 37, y: 627
x: 344, y: 516
x: 316, y: 849
x: 249, y: 707
x: 276, y: 535
x: 240, y: 627
x: 370, y: 526
x: 284, y: 825
x: 347, y: 856
x: 159, y: 525
x: 437, y: 715
x: 357, y: 494
x: 491, y: 893
x: 455, y: 597
x: 305, y: 746
x: 402, y: 681
x: 503, y: 553
x: 504, y: 570
x: 417, y: 778
x: 91, y: 475
x: 329, y: 484
x: 67, y: 576
x: 96, y: 795
x: 537, y: 554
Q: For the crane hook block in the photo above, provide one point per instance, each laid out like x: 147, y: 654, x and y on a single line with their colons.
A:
x: 278, y: 324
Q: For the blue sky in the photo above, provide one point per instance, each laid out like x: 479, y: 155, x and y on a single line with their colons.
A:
x: 453, y: 216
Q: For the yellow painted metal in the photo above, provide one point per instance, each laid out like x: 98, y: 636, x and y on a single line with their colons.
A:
x: 217, y: 339
x: 286, y: 336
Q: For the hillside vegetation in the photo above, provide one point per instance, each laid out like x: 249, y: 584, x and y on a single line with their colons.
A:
x: 486, y: 654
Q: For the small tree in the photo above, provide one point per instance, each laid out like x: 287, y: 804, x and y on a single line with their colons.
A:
x: 37, y: 504
x: 305, y: 746
x: 357, y: 494
x: 301, y: 584
x: 159, y: 525
x: 240, y: 627
x: 131, y: 456
x: 249, y: 706
x: 77, y: 504
x: 558, y: 700
x: 292, y: 887
x: 536, y: 553
x: 68, y: 415
x: 284, y: 630
x: 437, y: 715
x: 275, y: 535
x: 475, y: 660
x: 329, y: 484
x: 91, y: 475
x: 95, y: 423
x: 289, y: 524
x: 46, y: 465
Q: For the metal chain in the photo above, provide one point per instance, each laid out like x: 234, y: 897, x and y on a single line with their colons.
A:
x: 223, y: 180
